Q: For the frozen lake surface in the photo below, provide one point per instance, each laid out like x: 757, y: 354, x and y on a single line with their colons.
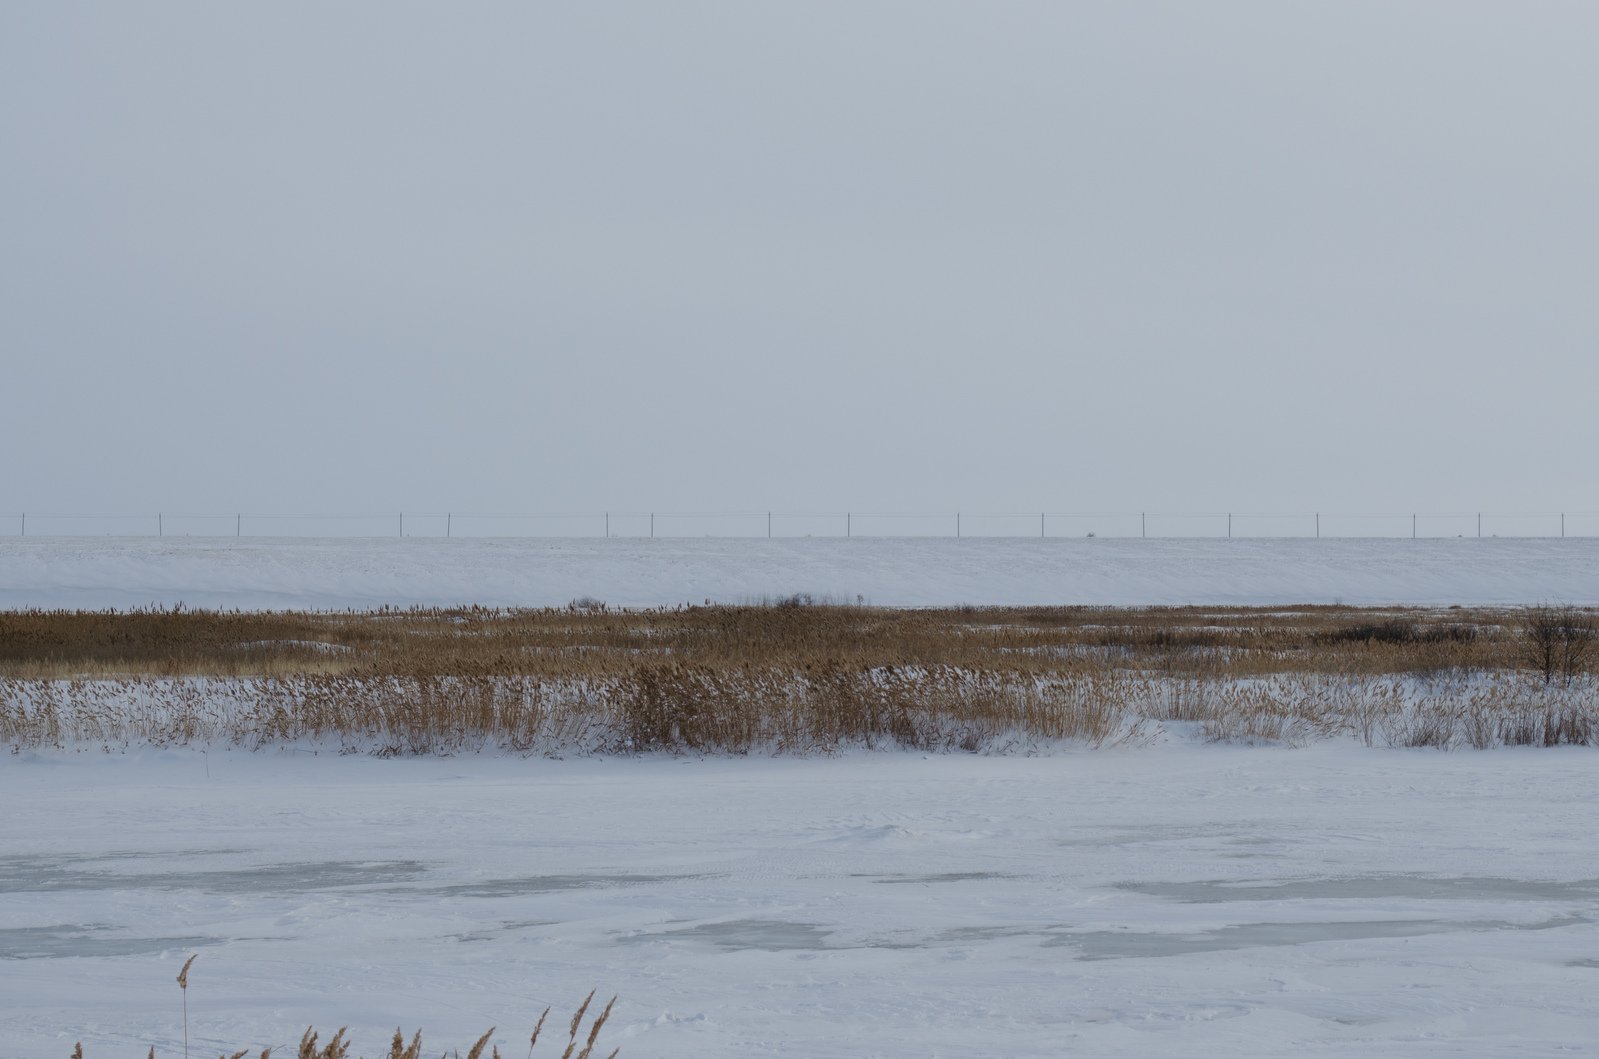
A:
x: 363, y: 573
x: 1173, y: 900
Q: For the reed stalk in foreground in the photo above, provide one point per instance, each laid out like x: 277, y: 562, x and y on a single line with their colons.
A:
x: 338, y: 1046
x: 183, y: 984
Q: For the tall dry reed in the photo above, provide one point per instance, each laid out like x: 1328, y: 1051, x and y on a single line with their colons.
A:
x: 784, y: 679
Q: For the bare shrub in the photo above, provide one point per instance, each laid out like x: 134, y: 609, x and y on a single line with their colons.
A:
x: 1558, y: 640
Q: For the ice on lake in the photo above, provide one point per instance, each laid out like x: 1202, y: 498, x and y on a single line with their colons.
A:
x: 1169, y: 900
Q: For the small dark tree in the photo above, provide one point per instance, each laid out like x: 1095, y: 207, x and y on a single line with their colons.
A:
x: 1558, y: 640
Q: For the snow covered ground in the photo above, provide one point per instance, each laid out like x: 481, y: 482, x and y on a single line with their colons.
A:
x: 265, y: 573
x: 1174, y: 900
x: 1178, y: 899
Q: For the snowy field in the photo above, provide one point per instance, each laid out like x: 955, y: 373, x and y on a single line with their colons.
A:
x: 366, y: 573
x: 1174, y: 900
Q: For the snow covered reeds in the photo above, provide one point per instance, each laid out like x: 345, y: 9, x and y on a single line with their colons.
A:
x: 780, y: 679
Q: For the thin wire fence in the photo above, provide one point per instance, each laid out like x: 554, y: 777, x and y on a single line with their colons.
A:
x: 790, y: 524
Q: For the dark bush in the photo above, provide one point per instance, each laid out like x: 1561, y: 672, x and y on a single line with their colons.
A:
x: 1399, y: 631
x: 1392, y: 631
x: 1558, y: 640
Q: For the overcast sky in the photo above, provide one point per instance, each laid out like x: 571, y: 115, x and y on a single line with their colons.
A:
x: 886, y: 256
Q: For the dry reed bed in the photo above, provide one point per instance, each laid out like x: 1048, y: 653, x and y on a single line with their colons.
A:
x: 787, y: 678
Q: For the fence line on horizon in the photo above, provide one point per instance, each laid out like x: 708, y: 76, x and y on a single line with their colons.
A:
x: 781, y: 524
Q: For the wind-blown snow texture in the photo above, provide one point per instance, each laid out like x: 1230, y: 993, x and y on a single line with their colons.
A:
x: 1175, y: 900
x: 365, y: 573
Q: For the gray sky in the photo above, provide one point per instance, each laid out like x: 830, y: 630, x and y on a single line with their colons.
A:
x: 916, y: 256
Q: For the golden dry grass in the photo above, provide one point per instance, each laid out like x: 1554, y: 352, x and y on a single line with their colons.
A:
x: 778, y: 678
x: 595, y: 641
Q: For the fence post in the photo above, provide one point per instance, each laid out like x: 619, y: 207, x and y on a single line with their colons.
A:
x: 849, y: 529
x: 24, y: 523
